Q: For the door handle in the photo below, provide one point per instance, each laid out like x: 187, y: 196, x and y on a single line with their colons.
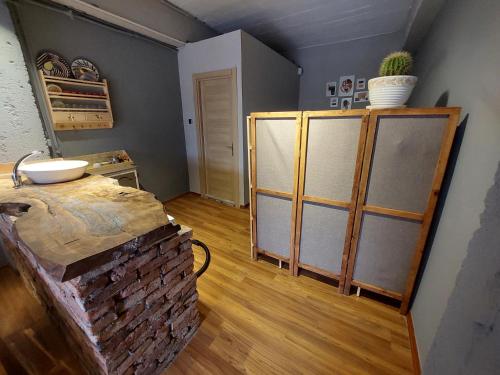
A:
x: 232, y: 149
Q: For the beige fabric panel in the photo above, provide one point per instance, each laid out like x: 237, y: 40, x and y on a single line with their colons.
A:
x: 404, y: 160
x: 332, y: 148
x: 385, y: 250
x: 275, y: 146
x: 323, y: 235
x: 274, y: 217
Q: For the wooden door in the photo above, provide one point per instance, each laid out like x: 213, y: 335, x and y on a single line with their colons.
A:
x: 217, y: 134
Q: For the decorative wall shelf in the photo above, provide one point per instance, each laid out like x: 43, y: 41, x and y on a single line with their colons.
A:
x: 77, y: 104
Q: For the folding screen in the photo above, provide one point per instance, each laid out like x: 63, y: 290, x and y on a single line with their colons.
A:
x: 405, y: 159
x: 274, y: 158
x: 330, y: 166
x: 349, y: 194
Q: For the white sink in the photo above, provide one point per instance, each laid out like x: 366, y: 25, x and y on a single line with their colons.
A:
x: 49, y: 172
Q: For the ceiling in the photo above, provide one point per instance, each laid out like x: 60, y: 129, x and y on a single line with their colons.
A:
x: 295, y: 24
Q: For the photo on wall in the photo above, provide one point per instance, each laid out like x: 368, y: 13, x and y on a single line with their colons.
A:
x: 361, y: 84
x: 346, y: 85
x: 331, y: 88
x: 334, y: 102
x: 346, y: 103
x: 361, y: 96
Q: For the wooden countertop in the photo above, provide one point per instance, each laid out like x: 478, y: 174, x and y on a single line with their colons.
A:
x: 74, y: 227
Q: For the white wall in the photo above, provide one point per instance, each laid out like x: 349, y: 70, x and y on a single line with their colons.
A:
x: 266, y: 81
x: 460, y: 56
x: 221, y: 52
x: 20, y: 125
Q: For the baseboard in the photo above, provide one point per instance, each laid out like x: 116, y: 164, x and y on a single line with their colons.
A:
x: 413, y: 345
x: 180, y: 196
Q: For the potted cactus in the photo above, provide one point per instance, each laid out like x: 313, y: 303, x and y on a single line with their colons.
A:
x: 394, y: 86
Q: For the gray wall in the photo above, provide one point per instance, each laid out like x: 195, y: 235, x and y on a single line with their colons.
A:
x: 144, y: 89
x: 327, y: 63
x: 270, y: 83
x: 459, y: 60
x: 468, y: 338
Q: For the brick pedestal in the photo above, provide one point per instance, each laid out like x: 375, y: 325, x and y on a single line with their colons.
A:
x: 130, y: 316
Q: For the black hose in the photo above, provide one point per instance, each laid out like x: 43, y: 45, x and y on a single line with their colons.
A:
x: 203, y: 268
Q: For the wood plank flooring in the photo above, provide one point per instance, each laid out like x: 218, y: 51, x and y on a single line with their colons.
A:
x: 257, y: 319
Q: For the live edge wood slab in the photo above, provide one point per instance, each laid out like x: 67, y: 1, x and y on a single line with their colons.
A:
x: 76, y: 226
x: 116, y: 277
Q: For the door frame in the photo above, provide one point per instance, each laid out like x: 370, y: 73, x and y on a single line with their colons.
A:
x: 197, y: 79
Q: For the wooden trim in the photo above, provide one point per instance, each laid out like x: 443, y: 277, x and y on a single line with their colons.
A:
x: 300, y: 193
x: 354, y: 201
x: 271, y: 254
x: 444, y: 111
x: 178, y: 196
x: 337, y: 113
x: 326, y: 201
x: 199, y: 136
x: 378, y: 290
x: 351, y: 257
x: 250, y: 188
x: 253, y: 186
x: 298, y: 133
x: 214, y: 74
x: 6, y: 168
x: 319, y: 271
x: 108, y: 100
x: 413, y: 344
x: 47, y: 98
x: 274, y: 193
x: 74, y: 81
x: 197, y: 79
x: 264, y: 115
x: 77, y: 97
x: 236, y: 141
x: 396, y: 213
x: 439, y: 172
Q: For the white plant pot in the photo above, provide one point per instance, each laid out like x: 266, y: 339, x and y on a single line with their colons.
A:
x: 390, y: 91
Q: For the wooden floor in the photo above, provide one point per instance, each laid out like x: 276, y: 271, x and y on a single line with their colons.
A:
x: 256, y: 318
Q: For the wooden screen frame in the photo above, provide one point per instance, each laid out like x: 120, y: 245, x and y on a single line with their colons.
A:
x: 351, y: 205
x: 197, y: 79
x: 297, y: 115
x: 424, y: 218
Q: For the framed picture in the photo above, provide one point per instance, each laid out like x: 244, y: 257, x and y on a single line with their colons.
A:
x: 334, y: 102
x: 361, y: 84
x: 361, y: 96
x: 346, y: 103
x: 331, y: 88
x: 346, y: 85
